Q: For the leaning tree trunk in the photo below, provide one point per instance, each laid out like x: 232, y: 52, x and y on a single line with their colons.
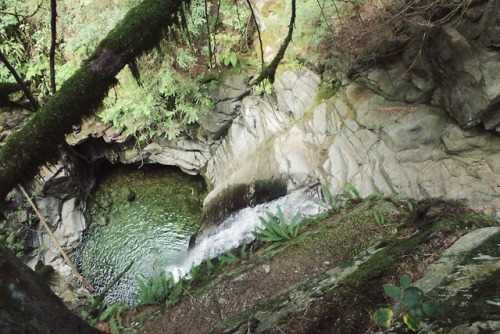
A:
x: 36, y: 143
x: 27, y: 305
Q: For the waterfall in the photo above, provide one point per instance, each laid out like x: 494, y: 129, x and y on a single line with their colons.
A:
x: 237, y: 228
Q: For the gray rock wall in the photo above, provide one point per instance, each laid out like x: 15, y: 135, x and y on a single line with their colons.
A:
x: 357, y: 137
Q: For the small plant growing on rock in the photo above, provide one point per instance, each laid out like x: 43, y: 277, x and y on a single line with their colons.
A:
x: 228, y: 258
x: 350, y: 193
x: 159, y: 289
x: 277, y: 230
x: 412, y: 305
x: 379, y: 217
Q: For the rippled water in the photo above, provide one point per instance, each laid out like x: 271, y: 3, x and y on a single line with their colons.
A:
x: 153, y: 230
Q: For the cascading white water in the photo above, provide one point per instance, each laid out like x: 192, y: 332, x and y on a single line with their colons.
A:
x: 237, y: 229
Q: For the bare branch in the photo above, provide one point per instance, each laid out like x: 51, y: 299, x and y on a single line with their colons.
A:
x: 53, y: 44
x: 270, y: 71
x: 20, y: 82
x: 258, y: 34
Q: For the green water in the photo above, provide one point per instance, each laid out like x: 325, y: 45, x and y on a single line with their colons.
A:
x: 153, y: 230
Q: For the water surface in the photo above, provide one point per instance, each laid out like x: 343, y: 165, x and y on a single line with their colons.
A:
x: 144, y: 215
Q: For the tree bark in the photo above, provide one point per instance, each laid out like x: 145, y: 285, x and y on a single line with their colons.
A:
x: 27, y: 305
x: 53, y: 44
x: 36, y: 143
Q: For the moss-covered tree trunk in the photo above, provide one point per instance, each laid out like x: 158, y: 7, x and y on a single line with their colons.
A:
x: 27, y: 305
x: 37, y: 142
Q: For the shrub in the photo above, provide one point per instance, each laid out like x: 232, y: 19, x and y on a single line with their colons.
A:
x: 414, y: 305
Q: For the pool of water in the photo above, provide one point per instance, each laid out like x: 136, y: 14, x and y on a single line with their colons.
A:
x: 144, y: 215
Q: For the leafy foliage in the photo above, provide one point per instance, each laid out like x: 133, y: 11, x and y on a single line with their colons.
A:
x: 379, y: 217
x: 13, y: 230
x: 228, y: 258
x: 159, y: 289
x: 264, y: 87
x: 25, y: 40
x: 414, y: 305
x: 11, y: 237
x: 338, y: 202
x: 163, y: 106
x: 171, y: 96
x: 277, y: 230
x: 111, y: 314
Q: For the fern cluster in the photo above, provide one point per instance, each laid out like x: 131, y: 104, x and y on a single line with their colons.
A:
x: 158, y: 289
x: 338, y: 202
x: 277, y: 230
x: 172, y: 91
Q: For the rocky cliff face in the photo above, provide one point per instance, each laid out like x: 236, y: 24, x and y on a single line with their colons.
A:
x: 359, y: 137
x: 421, y: 123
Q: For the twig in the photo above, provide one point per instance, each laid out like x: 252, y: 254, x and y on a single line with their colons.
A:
x: 258, y: 34
x: 20, y: 82
x: 54, y: 240
x: 101, y: 296
x: 210, y: 55
x: 270, y: 71
x: 39, y: 5
x: 53, y: 44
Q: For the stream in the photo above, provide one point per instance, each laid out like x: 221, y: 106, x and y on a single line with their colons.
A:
x: 238, y: 227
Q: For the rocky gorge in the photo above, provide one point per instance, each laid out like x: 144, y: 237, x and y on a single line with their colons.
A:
x: 413, y: 129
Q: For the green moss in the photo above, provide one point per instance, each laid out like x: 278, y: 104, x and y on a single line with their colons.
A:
x: 327, y: 90
x: 139, y: 31
x: 78, y: 97
x: 142, y: 28
x: 477, y: 220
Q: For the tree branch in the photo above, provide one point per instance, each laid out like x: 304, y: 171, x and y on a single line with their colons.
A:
x: 53, y: 44
x: 20, y: 82
x: 270, y: 70
x: 258, y: 34
x: 36, y: 143
x: 210, y: 56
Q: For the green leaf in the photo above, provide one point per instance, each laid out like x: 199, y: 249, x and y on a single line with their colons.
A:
x: 274, y: 246
x: 114, y: 326
x: 243, y: 251
x: 405, y: 281
x: 294, y: 230
x: 234, y: 59
x: 108, y: 312
x: 430, y: 307
x: 176, y: 291
x: 195, y: 273
x: 210, y: 265
x: 228, y: 258
x: 275, y: 227
x: 266, y: 235
x: 353, y: 190
x: 392, y: 291
x: 383, y: 317
x: 413, y: 297
x: 371, y: 196
x: 416, y: 311
x: 412, y: 322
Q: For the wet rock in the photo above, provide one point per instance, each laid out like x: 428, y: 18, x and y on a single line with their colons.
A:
x: 131, y: 196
